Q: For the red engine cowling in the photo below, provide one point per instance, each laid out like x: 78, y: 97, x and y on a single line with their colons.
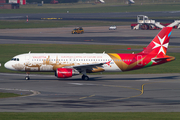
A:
x: 65, y: 72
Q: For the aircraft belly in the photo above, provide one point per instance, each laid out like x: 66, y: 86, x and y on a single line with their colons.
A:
x: 112, y: 68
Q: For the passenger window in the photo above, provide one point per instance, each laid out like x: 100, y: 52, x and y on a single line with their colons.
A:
x: 13, y: 59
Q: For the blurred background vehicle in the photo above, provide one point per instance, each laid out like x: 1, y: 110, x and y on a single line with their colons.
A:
x: 78, y: 30
x: 113, y: 27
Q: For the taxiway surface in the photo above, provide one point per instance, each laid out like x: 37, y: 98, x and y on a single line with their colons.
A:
x: 102, y: 93
x: 117, y: 16
x: 92, y: 35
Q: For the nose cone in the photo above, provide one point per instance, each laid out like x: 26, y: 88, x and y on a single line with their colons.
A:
x: 8, y: 65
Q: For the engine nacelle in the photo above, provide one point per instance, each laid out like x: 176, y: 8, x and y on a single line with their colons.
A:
x: 65, y: 72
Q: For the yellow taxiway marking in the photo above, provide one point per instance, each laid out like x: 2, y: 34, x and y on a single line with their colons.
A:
x: 51, y: 18
x: 141, y: 91
x: 87, y: 97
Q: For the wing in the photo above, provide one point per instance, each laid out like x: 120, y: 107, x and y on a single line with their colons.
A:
x: 87, y: 66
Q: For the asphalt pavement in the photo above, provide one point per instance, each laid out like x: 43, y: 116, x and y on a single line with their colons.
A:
x: 118, y: 16
x: 102, y: 93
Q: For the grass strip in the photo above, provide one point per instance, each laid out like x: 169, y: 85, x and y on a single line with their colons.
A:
x: 14, y: 24
x: 89, y: 8
x: 7, y: 95
x: 91, y: 116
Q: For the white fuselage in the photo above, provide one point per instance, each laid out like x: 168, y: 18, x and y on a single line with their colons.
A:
x: 51, y: 61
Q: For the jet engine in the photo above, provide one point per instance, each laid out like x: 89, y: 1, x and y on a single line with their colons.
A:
x: 65, y: 72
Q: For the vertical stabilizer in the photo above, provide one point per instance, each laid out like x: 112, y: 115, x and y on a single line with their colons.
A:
x: 159, y: 44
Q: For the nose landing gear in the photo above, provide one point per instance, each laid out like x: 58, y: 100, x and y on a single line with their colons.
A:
x: 27, y: 76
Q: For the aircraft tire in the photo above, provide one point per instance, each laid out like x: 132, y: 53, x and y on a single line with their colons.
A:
x: 27, y: 78
x: 84, y: 77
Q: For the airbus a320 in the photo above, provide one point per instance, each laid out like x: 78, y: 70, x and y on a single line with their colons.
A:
x: 67, y: 65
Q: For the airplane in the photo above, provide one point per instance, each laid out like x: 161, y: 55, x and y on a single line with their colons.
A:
x: 131, y: 2
x: 128, y: 2
x: 66, y: 65
x: 102, y: 1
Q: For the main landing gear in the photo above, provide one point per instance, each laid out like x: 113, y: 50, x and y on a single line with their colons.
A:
x: 85, y: 77
x: 27, y: 76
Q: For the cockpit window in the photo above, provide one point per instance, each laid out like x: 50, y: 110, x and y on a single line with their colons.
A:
x: 15, y: 59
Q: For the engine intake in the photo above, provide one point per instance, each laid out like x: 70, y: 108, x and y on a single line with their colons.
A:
x: 65, y: 72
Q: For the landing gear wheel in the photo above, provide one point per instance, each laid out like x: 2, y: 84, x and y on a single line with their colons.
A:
x: 27, y: 78
x: 84, y: 77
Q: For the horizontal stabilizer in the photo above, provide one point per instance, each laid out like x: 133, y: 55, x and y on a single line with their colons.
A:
x: 163, y: 58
